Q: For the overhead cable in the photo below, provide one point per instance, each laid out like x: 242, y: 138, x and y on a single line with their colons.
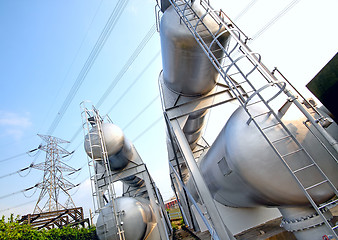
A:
x: 142, y: 111
x: 73, y: 61
x: 19, y: 155
x: 276, y: 18
x: 135, y: 81
x: 21, y: 170
x: 148, y: 128
x: 17, y: 206
x: 247, y: 8
x: 119, y: 7
x: 131, y: 59
x: 21, y: 191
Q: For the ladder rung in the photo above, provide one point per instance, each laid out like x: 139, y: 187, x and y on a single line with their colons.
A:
x: 303, y: 168
x: 234, y: 74
x: 317, y: 184
x: 221, y: 58
x: 202, y: 31
x: 225, y: 66
x: 280, y: 139
x: 270, y: 126
x: 298, y: 150
x: 335, y: 227
x: 205, y: 37
x: 198, y: 24
x: 261, y: 114
x: 329, y: 203
x: 190, y: 12
x: 179, y: 5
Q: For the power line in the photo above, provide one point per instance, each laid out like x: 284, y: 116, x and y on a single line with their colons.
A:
x: 276, y: 18
x: 17, y: 172
x: 141, y: 112
x: 135, y: 81
x: 131, y: 59
x: 119, y: 7
x: 19, y: 155
x: 73, y: 61
x: 23, y: 204
x: 21, y: 191
x: 17, y: 206
x: 245, y: 10
x: 148, y: 128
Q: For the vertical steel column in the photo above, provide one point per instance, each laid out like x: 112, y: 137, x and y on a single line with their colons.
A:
x: 151, y: 191
x: 222, y: 231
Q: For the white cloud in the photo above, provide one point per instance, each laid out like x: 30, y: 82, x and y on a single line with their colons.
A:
x: 14, y: 124
x: 14, y: 119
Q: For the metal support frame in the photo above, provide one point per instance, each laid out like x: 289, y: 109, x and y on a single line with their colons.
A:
x: 103, y: 178
x: 176, y: 113
x: 184, y: 9
x: 222, y: 232
x: 136, y: 167
x: 99, y: 171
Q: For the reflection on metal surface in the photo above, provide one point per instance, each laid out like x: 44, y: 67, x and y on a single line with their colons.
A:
x: 265, y: 155
x: 140, y: 212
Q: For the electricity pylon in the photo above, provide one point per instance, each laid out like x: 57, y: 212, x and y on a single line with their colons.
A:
x: 53, y: 181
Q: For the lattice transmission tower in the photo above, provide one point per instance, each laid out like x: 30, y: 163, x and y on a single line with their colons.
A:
x: 54, y: 182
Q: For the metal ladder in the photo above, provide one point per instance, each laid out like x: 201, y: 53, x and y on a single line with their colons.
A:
x: 195, y: 25
x: 91, y: 119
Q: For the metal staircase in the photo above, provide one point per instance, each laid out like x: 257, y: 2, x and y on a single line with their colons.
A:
x: 100, y: 174
x: 255, y: 79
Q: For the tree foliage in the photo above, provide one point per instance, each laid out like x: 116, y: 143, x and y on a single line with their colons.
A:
x: 13, y: 230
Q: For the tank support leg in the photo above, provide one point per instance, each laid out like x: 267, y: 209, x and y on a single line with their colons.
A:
x: 222, y: 231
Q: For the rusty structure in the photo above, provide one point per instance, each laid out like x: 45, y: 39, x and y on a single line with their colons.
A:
x: 56, y: 219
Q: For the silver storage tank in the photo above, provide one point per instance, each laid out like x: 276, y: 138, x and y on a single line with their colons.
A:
x: 186, y: 68
x: 119, y: 149
x: 242, y: 170
x: 136, y: 216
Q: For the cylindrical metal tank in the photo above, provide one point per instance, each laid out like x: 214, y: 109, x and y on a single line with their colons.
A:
x: 186, y: 68
x: 242, y: 170
x: 135, y: 215
x: 119, y: 149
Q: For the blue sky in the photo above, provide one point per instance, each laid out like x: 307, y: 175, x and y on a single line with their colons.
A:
x: 45, y: 44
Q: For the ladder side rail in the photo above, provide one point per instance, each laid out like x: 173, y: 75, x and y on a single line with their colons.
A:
x: 106, y: 174
x: 302, y: 187
x: 203, y: 191
x: 208, y: 52
x: 210, y: 228
x: 333, y: 157
x: 214, y: 61
x: 265, y: 70
x: 298, y: 145
x: 91, y: 161
x: 299, y: 94
x: 268, y: 75
x: 111, y: 190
